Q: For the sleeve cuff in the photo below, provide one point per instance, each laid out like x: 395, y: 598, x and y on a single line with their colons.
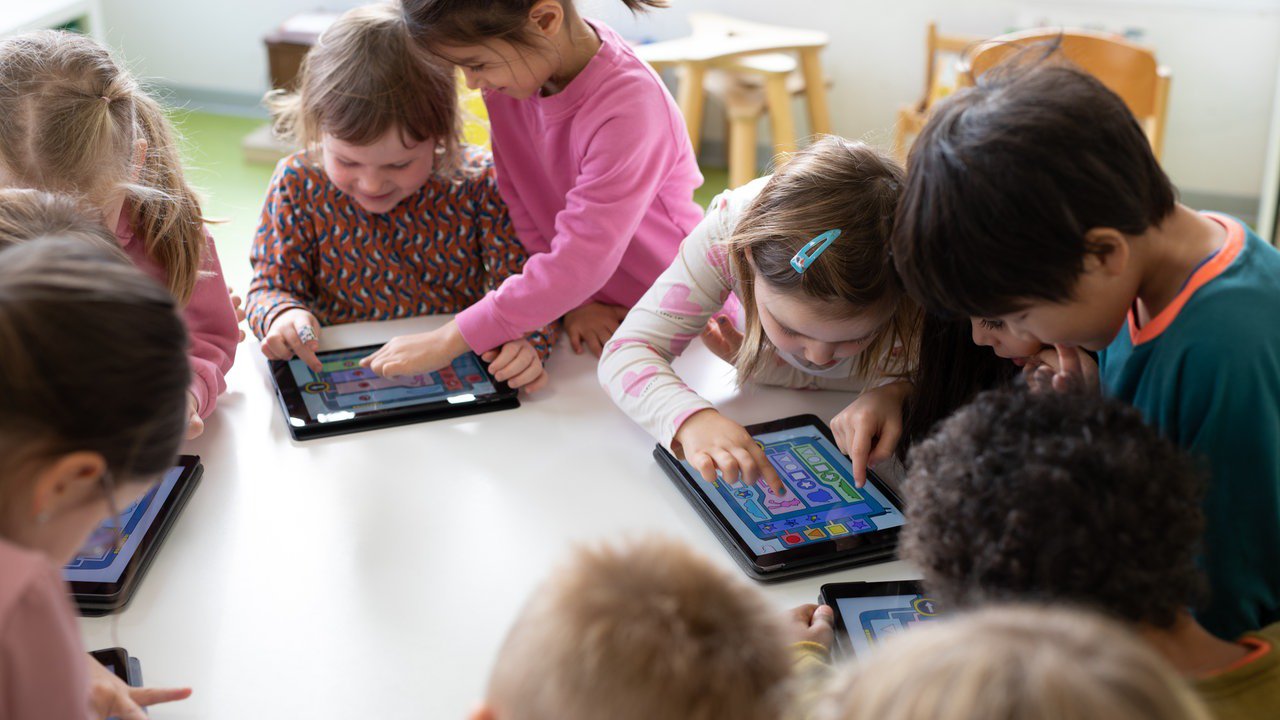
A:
x: 481, y: 327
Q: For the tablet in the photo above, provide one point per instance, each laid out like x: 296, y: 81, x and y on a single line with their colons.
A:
x: 345, y: 398
x: 869, y: 612
x: 119, y: 663
x: 103, y: 580
x: 821, y: 522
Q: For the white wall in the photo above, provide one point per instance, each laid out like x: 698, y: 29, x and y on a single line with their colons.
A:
x: 1224, y: 55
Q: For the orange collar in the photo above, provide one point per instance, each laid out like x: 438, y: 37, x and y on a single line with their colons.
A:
x: 1258, y: 648
x: 1229, y: 251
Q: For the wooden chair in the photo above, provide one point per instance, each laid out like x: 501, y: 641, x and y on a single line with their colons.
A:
x: 942, y: 53
x: 1129, y: 70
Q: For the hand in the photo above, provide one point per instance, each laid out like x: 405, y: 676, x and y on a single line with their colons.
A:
x: 418, y: 354
x: 237, y: 304
x: 869, y: 429
x: 722, y: 338
x: 285, y: 338
x: 110, y: 697
x: 593, y: 324
x: 812, y: 623
x: 195, y: 423
x: 711, y: 441
x: 1063, y: 369
x: 517, y: 364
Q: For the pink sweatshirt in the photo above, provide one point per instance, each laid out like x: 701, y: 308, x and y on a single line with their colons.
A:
x: 211, y: 321
x: 599, y: 179
x: 44, y: 671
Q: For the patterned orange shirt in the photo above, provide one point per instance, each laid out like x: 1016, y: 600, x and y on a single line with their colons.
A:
x: 438, y: 251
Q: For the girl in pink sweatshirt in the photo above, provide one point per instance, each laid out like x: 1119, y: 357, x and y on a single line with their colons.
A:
x: 593, y: 160
x: 73, y: 121
x: 75, y: 446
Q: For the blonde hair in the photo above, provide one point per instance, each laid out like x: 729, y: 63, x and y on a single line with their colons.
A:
x: 1008, y: 663
x: 27, y: 215
x: 639, y: 631
x: 70, y: 118
x: 832, y: 184
x: 365, y: 77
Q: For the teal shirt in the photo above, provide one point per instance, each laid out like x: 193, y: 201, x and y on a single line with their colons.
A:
x: 1207, y: 374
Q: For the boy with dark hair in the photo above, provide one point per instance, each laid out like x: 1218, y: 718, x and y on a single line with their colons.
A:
x: 1073, y: 499
x: 1034, y: 199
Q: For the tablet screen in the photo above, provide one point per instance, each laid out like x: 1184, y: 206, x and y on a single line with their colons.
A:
x: 343, y: 390
x: 820, y: 502
x: 97, y: 560
x: 869, y: 620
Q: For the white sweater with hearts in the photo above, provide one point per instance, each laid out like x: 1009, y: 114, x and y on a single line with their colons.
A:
x: 635, y: 368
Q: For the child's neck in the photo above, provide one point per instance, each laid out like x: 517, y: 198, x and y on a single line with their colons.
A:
x: 576, y: 44
x: 1168, y: 253
x: 1191, y: 649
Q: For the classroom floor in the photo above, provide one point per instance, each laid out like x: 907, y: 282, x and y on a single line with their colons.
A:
x: 233, y: 188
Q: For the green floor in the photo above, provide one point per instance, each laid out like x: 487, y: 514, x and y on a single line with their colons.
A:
x: 233, y: 188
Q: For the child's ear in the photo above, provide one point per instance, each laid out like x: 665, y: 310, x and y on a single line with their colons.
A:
x: 67, y: 482
x: 1108, y: 251
x: 547, y: 16
x: 484, y: 711
x: 139, y: 158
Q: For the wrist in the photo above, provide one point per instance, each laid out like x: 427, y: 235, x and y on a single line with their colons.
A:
x: 454, y: 342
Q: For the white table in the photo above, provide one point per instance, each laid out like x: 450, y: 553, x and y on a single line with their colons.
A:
x: 375, y: 574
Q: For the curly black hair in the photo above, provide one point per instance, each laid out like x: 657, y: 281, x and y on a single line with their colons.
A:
x: 1055, y: 498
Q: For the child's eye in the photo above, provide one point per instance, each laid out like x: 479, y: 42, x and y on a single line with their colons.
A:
x: 400, y: 166
x: 476, y: 68
x: 991, y: 324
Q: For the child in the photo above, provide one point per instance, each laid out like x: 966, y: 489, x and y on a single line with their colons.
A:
x: 640, y: 631
x: 383, y: 215
x: 1011, y: 662
x: 593, y: 160
x: 74, y: 447
x: 1034, y: 199
x: 1074, y: 499
x: 73, y: 121
x: 807, y: 252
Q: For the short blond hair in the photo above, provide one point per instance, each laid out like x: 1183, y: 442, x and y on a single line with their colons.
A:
x: 27, y: 215
x: 642, y: 630
x: 1005, y: 662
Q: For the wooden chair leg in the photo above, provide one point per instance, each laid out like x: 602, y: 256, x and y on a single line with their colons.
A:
x: 779, y: 102
x: 690, y: 100
x: 742, y: 148
x: 815, y: 90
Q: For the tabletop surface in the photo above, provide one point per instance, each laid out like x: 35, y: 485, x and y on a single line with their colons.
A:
x: 375, y: 574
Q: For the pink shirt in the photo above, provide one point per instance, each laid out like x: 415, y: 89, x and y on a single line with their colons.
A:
x: 43, y: 667
x: 211, y: 321
x: 599, y: 179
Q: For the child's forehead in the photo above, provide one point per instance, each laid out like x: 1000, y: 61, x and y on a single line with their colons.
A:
x: 393, y: 144
x: 474, y: 54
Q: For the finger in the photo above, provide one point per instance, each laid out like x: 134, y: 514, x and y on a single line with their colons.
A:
x: 1069, y: 360
x: 506, y: 354
x: 274, y: 348
x: 489, y: 356
x: 886, y: 443
x: 596, y: 342
x: 538, y: 383
x: 705, y: 466
x: 377, y: 355
x: 860, y: 454
x: 575, y: 340
x: 728, y: 466
x: 767, y: 471
x: 195, y: 426
x: 803, y: 613
x: 306, y: 350
x: 747, y: 466
x: 524, y: 371
x: 823, y: 615
x: 619, y: 312
x: 155, y: 696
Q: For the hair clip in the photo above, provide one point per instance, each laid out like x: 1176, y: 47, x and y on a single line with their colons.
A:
x: 812, y: 249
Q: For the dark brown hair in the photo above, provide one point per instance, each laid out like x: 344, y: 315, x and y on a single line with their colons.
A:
x: 1006, y: 180
x: 832, y: 184
x: 69, y: 120
x: 92, y: 358
x: 366, y: 77
x: 476, y: 22
x: 1055, y: 498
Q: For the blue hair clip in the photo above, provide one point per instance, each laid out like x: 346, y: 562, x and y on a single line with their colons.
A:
x: 812, y: 249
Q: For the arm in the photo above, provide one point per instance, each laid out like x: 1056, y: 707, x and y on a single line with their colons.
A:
x: 620, y: 175
x: 502, y: 252
x: 214, y: 333
x: 43, y: 670
x: 282, y: 256
x: 526, y: 230
x: 635, y: 368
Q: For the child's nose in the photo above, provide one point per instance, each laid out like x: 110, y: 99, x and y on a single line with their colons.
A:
x: 472, y: 79
x: 819, y: 353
